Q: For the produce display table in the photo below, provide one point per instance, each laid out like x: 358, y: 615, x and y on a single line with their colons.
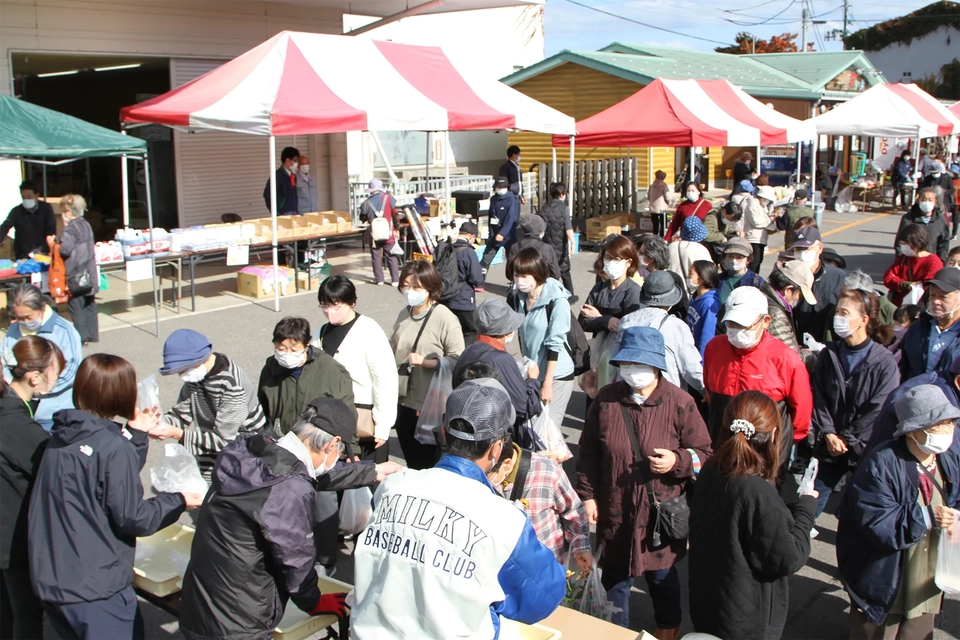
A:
x: 573, y: 624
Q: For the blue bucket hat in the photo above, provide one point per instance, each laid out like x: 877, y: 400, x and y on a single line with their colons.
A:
x: 746, y: 185
x: 693, y: 230
x: 641, y: 345
x: 184, y: 349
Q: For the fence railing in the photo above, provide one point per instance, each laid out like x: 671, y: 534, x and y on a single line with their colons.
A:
x: 599, y: 186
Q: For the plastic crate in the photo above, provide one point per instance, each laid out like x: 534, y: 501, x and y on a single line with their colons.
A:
x: 497, y: 259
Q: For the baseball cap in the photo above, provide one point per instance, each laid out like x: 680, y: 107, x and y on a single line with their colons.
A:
x: 805, y: 237
x: 738, y: 246
x: 501, y: 181
x: 468, y: 228
x: 332, y: 416
x: 745, y: 305
x: 947, y: 279
x: 800, y: 194
x: 483, y: 404
x: 801, y: 275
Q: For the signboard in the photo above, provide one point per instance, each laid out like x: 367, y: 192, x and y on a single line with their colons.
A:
x: 238, y: 254
x: 138, y: 270
x: 887, y: 150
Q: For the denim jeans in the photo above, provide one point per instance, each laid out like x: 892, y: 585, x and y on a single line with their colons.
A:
x: 664, y: 589
x: 828, y: 477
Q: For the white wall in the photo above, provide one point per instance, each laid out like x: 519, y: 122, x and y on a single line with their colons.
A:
x: 922, y: 57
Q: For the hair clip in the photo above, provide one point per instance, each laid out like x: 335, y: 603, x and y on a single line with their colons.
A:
x: 744, y: 427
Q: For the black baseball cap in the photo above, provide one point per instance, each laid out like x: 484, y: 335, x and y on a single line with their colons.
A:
x: 501, y: 181
x: 468, y: 228
x: 947, y: 280
x: 333, y: 416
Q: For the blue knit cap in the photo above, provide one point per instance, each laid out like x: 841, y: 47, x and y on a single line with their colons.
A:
x: 184, y: 349
x: 693, y: 230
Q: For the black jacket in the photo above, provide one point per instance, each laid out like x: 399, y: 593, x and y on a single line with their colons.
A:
x: 817, y: 320
x: 744, y: 544
x: 471, y: 276
x: 286, y: 193
x: 32, y: 228
x: 557, y: 217
x: 77, y: 250
x: 848, y: 405
x: 253, y: 548
x: 22, y: 442
x: 524, y: 394
x: 545, y: 250
x: 938, y: 229
x: 87, y: 509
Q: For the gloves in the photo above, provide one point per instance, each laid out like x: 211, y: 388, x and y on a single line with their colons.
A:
x: 331, y: 604
x: 812, y: 344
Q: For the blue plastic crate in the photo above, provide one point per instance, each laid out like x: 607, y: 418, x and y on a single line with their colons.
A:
x: 497, y: 259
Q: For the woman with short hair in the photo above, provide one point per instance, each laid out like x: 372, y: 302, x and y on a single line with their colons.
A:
x: 423, y: 333
x: 80, y: 261
x: 87, y: 508
x: 913, y: 266
x: 745, y: 541
x: 702, y: 283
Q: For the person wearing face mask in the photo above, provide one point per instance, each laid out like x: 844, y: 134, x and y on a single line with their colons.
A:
x: 932, y: 343
x: 688, y: 249
x: 642, y: 435
x: 797, y: 210
x: 742, y: 170
x: 32, y: 220
x: 511, y: 171
x: 747, y: 357
x: 216, y: 404
x: 901, y: 176
x: 33, y: 316
x: 533, y: 228
x: 424, y: 333
x: 851, y: 382
x: 306, y: 187
x: 660, y: 199
x: 941, y: 182
x: 248, y: 556
x: 912, y: 267
x: 297, y: 373
x: 694, y: 205
x: 790, y: 283
x: 287, y: 203
x: 702, y: 283
x: 359, y: 344
x: 504, y: 220
x: 559, y: 232
x: 654, y: 255
x: 80, y: 261
x: 903, y: 498
x: 22, y: 443
x: 925, y: 211
x: 736, y: 272
x: 498, y: 325
x: 757, y: 218
x: 816, y: 319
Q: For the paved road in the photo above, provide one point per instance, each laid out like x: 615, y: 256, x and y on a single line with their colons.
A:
x: 818, y: 606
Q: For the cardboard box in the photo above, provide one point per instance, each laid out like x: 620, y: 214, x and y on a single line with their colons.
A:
x: 342, y: 219
x: 251, y: 284
x: 599, y: 233
x: 326, y: 221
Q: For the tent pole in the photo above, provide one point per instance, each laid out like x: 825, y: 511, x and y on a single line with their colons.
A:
x: 426, y: 167
x: 153, y: 259
x: 799, y: 164
x: 553, y: 166
x: 44, y: 182
x: 383, y: 154
x: 273, y: 222
x: 692, y: 177
x: 570, y: 194
x: 445, y: 216
x: 813, y: 176
x: 630, y: 177
x: 125, y: 191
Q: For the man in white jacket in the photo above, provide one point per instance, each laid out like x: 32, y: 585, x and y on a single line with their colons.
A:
x: 444, y: 556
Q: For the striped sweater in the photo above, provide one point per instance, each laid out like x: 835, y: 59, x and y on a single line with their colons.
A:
x: 214, y: 411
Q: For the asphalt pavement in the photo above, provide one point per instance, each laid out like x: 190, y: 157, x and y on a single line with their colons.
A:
x: 818, y: 605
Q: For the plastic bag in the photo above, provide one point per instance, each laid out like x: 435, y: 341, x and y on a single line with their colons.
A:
x: 551, y: 436
x: 178, y: 472
x: 435, y: 404
x: 356, y: 508
x: 148, y: 394
x: 593, y: 599
x: 947, y: 576
x: 913, y: 296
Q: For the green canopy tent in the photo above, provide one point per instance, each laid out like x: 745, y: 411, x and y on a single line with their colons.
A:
x: 38, y: 135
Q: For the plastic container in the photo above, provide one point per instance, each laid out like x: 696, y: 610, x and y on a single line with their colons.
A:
x: 161, y: 560
x: 297, y: 625
x: 133, y: 244
x: 576, y: 242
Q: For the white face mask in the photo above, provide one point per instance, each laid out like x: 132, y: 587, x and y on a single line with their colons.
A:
x: 736, y: 265
x: 305, y: 169
x: 935, y: 443
x: 841, y: 326
x: 501, y: 192
x: 293, y: 167
x: 638, y: 376
x: 194, y: 375
x: 32, y: 325
x: 510, y: 338
x: 743, y: 338
x: 29, y: 203
x: 808, y: 257
x: 926, y: 206
x: 693, y: 196
x: 290, y: 359
x: 615, y: 268
x: 414, y: 298
x: 907, y: 250
x: 691, y: 285
x: 525, y: 284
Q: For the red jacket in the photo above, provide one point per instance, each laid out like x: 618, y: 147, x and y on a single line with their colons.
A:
x: 771, y: 367
x: 912, y: 269
x: 700, y: 208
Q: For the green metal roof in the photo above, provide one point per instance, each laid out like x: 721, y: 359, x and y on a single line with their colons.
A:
x: 818, y: 68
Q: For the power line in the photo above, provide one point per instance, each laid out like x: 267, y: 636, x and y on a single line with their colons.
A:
x: 756, y: 6
x: 644, y: 24
x: 767, y: 20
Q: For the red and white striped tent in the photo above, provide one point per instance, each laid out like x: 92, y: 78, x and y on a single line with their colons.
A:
x: 955, y: 109
x: 689, y: 113
x: 890, y: 110
x: 308, y: 83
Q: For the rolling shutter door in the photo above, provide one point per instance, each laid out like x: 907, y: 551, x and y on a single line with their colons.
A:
x: 217, y: 171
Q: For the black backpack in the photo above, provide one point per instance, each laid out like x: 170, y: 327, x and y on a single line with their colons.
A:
x: 445, y: 262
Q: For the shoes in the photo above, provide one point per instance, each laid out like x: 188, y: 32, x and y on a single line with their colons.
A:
x: 379, y: 284
x: 574, y: 299
x: 394, y: 284
x: 667, y: 634
x: 479, y: 289
x: 814, y: 533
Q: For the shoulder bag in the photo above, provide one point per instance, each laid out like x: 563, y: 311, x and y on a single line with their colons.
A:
x: 404, y: 368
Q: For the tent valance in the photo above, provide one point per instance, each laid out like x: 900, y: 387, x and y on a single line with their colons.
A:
x: 31, y: 131
x: 891, y: 110
x: 308, y: 83
x: 689, y: 113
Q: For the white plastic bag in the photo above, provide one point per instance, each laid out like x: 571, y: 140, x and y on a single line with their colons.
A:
x: 356, y: 508
x: 178, y: 472
x: 148, y: 394
x: 594, y: 600
x: 913, y: 296
x: 552, y: 437
x: 947, y: 576
x: 435, y: 404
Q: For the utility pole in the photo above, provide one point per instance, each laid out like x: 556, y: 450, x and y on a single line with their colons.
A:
x: 803, y: 30
x: 846, y: 16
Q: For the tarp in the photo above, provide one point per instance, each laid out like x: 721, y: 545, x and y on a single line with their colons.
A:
x: 955, y: 109
x: 689, y: 113
x: 308, y: 83
x: 890, y: 110
x: 31, y: 131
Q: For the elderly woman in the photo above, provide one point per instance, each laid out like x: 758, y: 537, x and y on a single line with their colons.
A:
x: 643, y: 441
x: 76, y: 249
x: 688, y: 249
x: 902, y: 499
x: 248, y: 554
x: 33, y: 316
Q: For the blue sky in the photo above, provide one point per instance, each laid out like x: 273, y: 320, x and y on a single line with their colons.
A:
x: 568, y: 26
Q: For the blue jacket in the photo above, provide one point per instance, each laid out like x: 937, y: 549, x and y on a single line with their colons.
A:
x: 916, y: 350
x: 61, y: 333
x: 287, y: 201
x: 471, y: 276
x: 901, y: 173
x: 702, y: 318
x: 542, y: 341
x: 880, y: 518
x: 886, y: 424
x: 506, y: 209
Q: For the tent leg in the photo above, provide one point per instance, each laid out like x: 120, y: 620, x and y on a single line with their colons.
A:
x: 383, y: 154
x: 426, y: 167
x: 631, y: 186
x: 553, y: 166
x: 570, y: 194
x: 273, y: 222
x: 813, y: 177
x: 44, y: 181
x: 799, y: 164
x: 125, y: 191
x: 445, y: 215
x: 153, y: 259
x: 692, y: 175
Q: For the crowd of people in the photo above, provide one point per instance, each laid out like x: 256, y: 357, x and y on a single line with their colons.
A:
x: 712, y: 394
